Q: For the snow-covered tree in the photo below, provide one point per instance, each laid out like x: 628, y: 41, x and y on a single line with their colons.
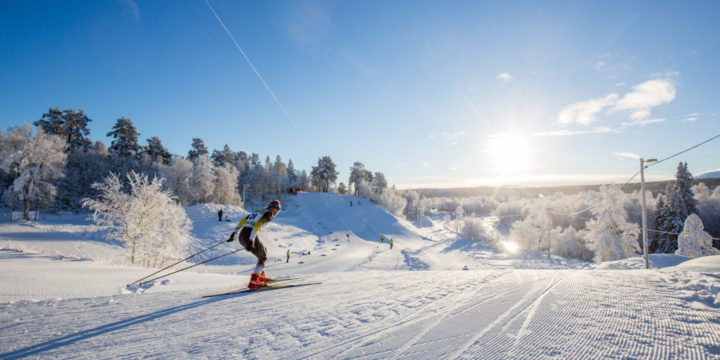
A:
x: 611, y: 235
x: 473, y: 230
x: 683, y: 180
x: 222, y: 157
x: 84, y: 167
x: 198, y: 149
x: 148, y: 220
x: 157, y: 152
x: 391, y: 200
x: 226, y: 184
x: 202, y: 181
x: 324, y: 174
x: 40, y: 163
x: 125, y: 136
x: 342, y: 189
x: 693, y: 241
x: 357, y: 173
x: 379, y: 182
x: 569, y: 243
x: 70, y: 125
x: 11, y: 145
x: 177, y: 177
x: 708, y: 205
x: 669, y: 220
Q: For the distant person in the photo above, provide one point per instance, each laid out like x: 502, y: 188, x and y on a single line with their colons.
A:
x: 248, y: 238
x: 288, y: 257
x: 391, y: 243
x: 382, y: 239
x: 350, y: 203
x: 348, y: 236
x: 220, y: 215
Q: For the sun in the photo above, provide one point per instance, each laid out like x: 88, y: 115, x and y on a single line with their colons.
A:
x: 509, y: 153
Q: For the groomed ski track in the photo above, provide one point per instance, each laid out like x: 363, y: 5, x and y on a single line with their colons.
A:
x: 519, y: 314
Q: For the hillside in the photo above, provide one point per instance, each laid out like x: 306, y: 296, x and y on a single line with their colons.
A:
x: 63, y: 295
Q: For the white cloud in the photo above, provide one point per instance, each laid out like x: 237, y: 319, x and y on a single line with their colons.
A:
x: 692, y: 117
x: 630, y: 155
x: 566, y: 132
x: 642, y: 122
x: 639, y: 102
x: 585, y: 112
x: 505, y: 77
x: 447, y: 135
x: 646, y: 96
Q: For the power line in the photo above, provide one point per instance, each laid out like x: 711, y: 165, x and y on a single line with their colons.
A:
x: 257, y: 73
x: 684, y: 151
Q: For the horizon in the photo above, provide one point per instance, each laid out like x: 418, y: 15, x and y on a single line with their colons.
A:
x: 434, y: 95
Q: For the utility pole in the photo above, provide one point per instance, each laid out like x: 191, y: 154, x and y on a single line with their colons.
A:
x: 644, y: 212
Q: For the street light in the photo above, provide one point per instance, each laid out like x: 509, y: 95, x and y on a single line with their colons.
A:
x: 644, y: 214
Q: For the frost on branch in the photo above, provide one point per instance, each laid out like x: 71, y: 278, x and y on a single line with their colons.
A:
x: 147, y: 220
x: 693, y: 241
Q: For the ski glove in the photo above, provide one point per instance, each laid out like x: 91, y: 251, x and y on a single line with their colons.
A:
x: 231, y: 238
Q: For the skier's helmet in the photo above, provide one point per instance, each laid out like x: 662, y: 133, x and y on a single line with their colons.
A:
x: 275, y: 204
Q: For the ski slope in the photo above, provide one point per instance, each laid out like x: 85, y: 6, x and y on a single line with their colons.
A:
x: 63, y: 295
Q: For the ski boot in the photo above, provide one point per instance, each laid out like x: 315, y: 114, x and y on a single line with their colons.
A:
x: 265, y: 278
x: 256, y: 282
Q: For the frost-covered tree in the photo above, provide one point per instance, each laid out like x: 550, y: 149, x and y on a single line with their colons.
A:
x: 342, y: 189
x: 693, y: 241
x: 70, y: 125
x: 11, y: 145
x: 324, y: 174
x: 84, y: 167
x: 357, y: 173
x: 670, y: 220
x: 292, y: 174
x: 708, y: 205
x: 416, y: 205
x: 125, y: 137
x: 153, y: 226
x: 611, y: 235
x: 202, y: 182
x: 569, y: 243
x: 683, y: 180
x: 177, y: 177
x: 393, y: 201
x: 222, y: 157
x: 156, y: 151
x: 473, y: 230
x: 379, y: 182
x: 226, y: 184
x: 198, y: 149
x: 40, y: 164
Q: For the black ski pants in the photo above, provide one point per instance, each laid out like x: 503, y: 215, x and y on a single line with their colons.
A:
x: 256, y: 247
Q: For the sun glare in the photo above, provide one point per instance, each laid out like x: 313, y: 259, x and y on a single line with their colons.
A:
x: 510, y: 153
x: 510, y: 247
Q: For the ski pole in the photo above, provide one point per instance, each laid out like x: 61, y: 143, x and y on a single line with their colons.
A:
x: 185, y: 268
x: 167, y: 267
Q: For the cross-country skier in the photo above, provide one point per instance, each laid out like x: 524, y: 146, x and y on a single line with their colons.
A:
x: 249, y: 238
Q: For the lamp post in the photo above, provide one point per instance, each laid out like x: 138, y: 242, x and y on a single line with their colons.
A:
x: 644, y: 213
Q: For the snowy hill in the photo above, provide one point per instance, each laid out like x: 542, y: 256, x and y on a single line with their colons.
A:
x: 713, y: 174
x: 63, y: 295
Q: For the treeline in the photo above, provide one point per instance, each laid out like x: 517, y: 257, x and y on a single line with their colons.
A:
x: 55, y: 165
x: 598, y: 224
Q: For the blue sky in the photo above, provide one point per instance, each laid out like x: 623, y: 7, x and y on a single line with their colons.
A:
x: 431, y: 93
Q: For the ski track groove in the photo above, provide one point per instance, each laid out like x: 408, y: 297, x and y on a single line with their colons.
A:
x: 380, y: 329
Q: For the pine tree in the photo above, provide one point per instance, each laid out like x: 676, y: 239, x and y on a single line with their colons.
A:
x: 684, y: 181
x: 157, y: 152
x: 125, y: 135
x: 198, y: 149
x: 68, y: 124
x: 324, y: 173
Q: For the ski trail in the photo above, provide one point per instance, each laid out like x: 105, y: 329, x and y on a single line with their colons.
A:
x: 508, y: 314
x: 418, y: 315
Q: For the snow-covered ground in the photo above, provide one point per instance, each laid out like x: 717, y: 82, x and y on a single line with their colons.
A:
x: 63, y: 295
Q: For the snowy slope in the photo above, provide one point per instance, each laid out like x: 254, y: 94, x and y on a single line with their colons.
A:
x: 411, y: 302
x: 712, y: 174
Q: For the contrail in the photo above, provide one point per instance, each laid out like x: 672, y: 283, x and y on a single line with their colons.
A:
x: 267, y: 87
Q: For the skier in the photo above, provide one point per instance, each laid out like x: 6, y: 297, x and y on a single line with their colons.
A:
x: 391, y: 243
x: 288, y: 256
x: 382, y: 238
x: 220, y: 215
x: 248, y: 238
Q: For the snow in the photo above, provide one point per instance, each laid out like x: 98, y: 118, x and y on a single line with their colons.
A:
x: 63, y: 295
x: 712, y: 174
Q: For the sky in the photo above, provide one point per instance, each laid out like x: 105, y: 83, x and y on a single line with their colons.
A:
x: 430, y: 93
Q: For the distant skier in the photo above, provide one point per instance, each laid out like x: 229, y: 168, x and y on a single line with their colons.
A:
x: 288, y: 256
x: 220, y: 215
x: 248, y: 238
x: 382, y: 239
x: 391, y: 243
